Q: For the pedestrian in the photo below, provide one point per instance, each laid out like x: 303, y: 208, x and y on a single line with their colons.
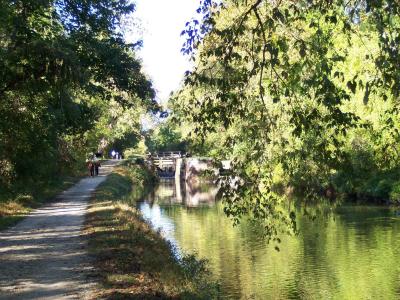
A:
x: 91, y: 168
x: 96, y: 166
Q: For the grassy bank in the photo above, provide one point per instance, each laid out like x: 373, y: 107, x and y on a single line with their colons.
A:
x: 17, y: 201
x: 133, y: 261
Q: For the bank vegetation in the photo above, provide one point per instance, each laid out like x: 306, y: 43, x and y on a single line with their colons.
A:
x: 133, y: 261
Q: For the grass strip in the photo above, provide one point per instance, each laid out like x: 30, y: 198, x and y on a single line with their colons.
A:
x: 133, y: 261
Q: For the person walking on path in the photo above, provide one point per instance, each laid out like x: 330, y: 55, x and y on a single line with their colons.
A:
x: 97, y: 165
x: 91, y: 167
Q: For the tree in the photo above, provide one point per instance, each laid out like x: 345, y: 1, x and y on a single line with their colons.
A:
x: 61, y: 61
x: 165, y: 137
x: 277, y: 73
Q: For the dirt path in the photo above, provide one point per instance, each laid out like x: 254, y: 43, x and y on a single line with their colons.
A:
x: 44, y: 256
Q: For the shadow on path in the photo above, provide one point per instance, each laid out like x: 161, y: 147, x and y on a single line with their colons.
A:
x: 44, y: 256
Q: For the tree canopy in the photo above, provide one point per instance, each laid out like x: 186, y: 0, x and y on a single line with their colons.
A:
x: 304, y: 94
x: 63, y: 64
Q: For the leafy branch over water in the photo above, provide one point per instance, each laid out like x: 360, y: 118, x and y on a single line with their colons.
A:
x: 304, y: 96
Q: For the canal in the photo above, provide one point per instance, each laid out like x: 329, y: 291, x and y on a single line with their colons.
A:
x: 352, y: 252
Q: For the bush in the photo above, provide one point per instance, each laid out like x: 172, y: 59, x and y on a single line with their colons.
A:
x: 196, y: 270
x: 139, y: 160
x: 395, y: 193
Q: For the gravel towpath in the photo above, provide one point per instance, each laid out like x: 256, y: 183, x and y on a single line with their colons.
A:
x: 44, y: 256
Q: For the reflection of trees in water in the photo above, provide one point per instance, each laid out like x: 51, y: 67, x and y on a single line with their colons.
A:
x: 333, y: 257
x: 343, y: 253
x: 200, y: 193
x: 186, y: 193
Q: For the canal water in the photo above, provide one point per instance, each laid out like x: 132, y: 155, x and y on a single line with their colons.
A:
x: 351, y: 253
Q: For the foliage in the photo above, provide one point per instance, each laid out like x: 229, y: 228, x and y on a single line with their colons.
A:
x: 395, y: 193
x: 294, y: 86
x: 165, y: 137
x: 139, y: 151
x: 62, y: 65
x: 116, y: 129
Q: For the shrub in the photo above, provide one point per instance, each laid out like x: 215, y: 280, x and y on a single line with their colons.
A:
x: 395, y: 193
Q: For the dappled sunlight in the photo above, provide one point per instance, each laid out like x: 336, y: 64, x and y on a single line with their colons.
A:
x: 154, y: 149
x: 45, y: 255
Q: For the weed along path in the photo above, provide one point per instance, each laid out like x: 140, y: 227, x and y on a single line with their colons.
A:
x: 45, y: 256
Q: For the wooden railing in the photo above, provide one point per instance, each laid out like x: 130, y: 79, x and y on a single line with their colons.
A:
x: 167, y: 154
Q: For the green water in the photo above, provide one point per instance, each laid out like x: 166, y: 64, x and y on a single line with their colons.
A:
x: 351, y: 253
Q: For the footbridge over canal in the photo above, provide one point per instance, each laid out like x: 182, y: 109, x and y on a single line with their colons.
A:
x: 184, y: 171
x: 177, y: 164
x: 168, y: 164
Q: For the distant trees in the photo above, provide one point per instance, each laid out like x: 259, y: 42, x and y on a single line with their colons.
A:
x: 165, y: 137
x: 63, y: 64
x: 303, y: 94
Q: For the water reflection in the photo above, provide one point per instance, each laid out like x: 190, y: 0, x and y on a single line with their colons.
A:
x: 353, y: 253
x: 172, y: 192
